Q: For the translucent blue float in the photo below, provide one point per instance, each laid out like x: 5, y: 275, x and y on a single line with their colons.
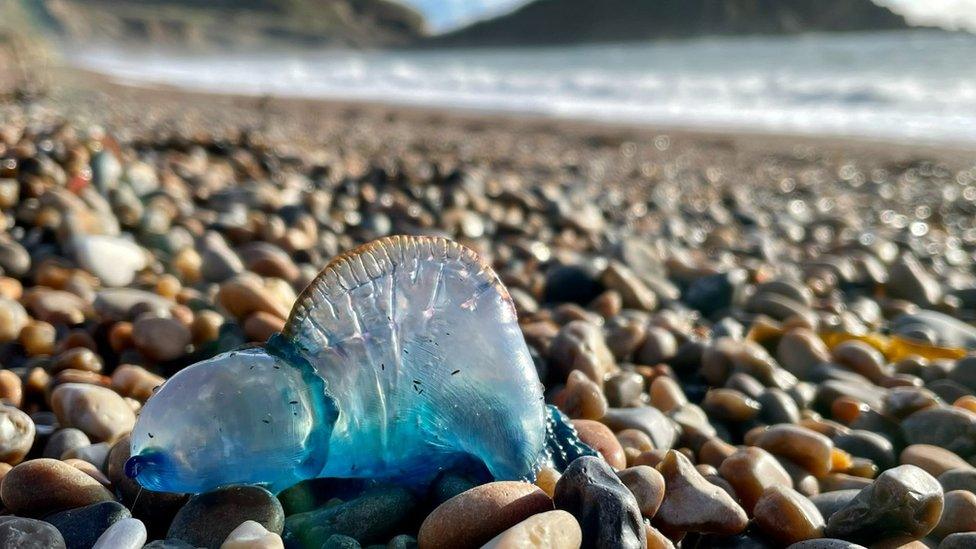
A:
x: 400, y: 359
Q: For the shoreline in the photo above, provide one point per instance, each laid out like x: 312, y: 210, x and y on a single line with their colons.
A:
x: 758, y: 139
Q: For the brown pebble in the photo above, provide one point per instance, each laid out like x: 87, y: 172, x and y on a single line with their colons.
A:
x: 634, y: 439
x: 806, y: 448
x: 135, y: 382
x: 38, y: 338
x: 260, y: 326
x: 692, y: 504
x: 933, y: 459
x: 243, y: 295
x: 655, y: 539
x: 666, y: 394
x: 958, y: 514
x: 582, y: 398
x: 42, y: 486
x: 11, y: 388
x: 714, y: 451
x: 498, y: 506
x: 599, y: 437
x: 98, y: 411
x: 77, y: 358
x: 730, y: 405
x: 546, y: 479
x: 90, y: 470
x: 206, y: 326
x: 751, y: 471
x: 647, y: 485
x: 786, y: 516
x: 160, y: 338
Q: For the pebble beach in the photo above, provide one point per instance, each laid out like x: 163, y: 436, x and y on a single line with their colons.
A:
x: 767, y: 339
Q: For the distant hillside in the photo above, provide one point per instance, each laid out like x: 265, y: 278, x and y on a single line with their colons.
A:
x: 207, y: 24
x: 586, y: 21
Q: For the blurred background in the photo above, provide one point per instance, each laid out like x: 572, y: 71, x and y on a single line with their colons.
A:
x: 888, y: 69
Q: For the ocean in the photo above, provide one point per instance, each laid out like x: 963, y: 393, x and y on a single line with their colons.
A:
x: 917, y: 86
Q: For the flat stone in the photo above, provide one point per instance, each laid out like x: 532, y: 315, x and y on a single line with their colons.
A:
x: 42, y: 486
x: 97, y: 411
x: 947, y: 427
x: 368, y: 518
x: 901, y: 505
x: 550, y: 530
x: 113, y: 260
x: 806, y: 448
x: 650, y: 421
x: 25, y: 533
x: 498, y: 506
x: 605, y: 509
x: 207, y: 519
x: 693, y: 504
x: 933, y: 459
x: 83, y: 526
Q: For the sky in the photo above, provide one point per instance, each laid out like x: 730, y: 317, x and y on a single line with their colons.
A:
x: 448, y: 14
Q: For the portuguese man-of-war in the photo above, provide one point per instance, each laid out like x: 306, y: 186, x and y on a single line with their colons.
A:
x: 401, y: 358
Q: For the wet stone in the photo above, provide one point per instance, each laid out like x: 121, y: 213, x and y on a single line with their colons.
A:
x: 97, y: 411
x: 16, y: 434
x: 959, y: 541
x: 499, y: 506
x: 777, y: 407
x: 751, y: 471
x: 650, y: 421
x: 606, y: 510
x: 624, y: 389
x: 903, y: 504
x: 550, y: 530
x: 958, y: 514
x: 579, y: 345
x: 807, y: 448
x: 25, y: 533
x: 867, y: 445
x: 959, y: 479
x: 647, y: 486
x: 582, y: 397
x: 933, y: 459
x: 83, y: 526
x: 786, y: 516
x: 693, y: 504
x: 42, y: 486
x: 947, y: 427
x: 207, y: 519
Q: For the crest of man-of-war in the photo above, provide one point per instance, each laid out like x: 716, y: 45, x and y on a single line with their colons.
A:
x: 401, y: 358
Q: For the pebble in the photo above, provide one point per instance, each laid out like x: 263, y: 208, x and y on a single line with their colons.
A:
x: 965, y: 540
x: 599, y: 437
x: 368, y: 518
x: 38, y: 487
x: 82, y: 527
x: 252, y: 535
x: 498, y: 506
x: 666, y: 395
x: 901, y: 505
x: 582, y: 397
x: 806, y: 448
x: 135, y: 382
x: 647, y: 486
x: 624, y: 389
x: 13, y: 318
x: 115, y: 261
x: 580, y: 345
x: 786, y: 516
x: 933, y: 459
x: 633, y: 291
x: 650, y: 421
x: 867, y: 444
x: 693, y: 504
x: 605, y: 509
x: 25, y: 533
x: 550, y: 530
x: 160, y: 339
x: 947, y: 427
x: 959, y: 479
x: 207, y: 519
x: 63, y: 440
x: 16, y: 435
x: 243, y: 295
x: 958, y: 514
x: 99, y: 412
x: 659, y: 346
x: 751, y: 471
x: 800, y: 350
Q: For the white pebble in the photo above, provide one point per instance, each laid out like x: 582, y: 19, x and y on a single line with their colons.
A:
x: 251, y: 535
x: 127, y: 533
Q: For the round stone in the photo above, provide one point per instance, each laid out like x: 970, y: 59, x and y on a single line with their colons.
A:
x: 160, y: 339
x: 42, y: 486
x: 16, y: 434
x: 83, y: 526
x: 25, y: 533
x: 786, y: 516
x: 498, y: 506
x: 99, y: 412
x: 207, y: 519
x: 251, y: 535
x: 550, y: 530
